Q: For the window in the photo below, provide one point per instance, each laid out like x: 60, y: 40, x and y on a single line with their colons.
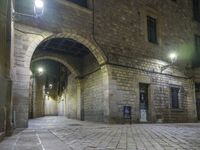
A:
x: 196, y: 9
x: 197, y: 43
x: 175, y: 97
x: 82, y: 3
x: 196, y: 61
x: 151, y: 29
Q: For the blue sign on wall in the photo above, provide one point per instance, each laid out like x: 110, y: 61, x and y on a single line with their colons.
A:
x: 127, y: 112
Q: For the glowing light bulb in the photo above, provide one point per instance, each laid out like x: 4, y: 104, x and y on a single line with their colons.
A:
x: 50, y: 86
x: 39, y: 4
x: 173, y: 57
x: 40, y: 70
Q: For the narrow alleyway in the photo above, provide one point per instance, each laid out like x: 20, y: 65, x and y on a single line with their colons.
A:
x: 60, y: 133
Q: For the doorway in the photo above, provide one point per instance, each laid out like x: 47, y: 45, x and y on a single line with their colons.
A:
x: 197, y: 89
x: 143, y: 102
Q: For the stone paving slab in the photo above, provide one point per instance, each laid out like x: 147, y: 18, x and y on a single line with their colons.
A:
x: 60, y: 133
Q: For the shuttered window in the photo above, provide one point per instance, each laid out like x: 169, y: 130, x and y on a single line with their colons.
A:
x: 196, y: 60
x: 151, y: 29
x: 3, y: 6
x: 196, y: 9
x: 197, y: 43
x: 175, y: 97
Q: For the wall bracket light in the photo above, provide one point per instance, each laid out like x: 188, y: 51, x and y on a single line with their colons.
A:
x: 40, y: 70
x: 38, y: 10
x: 173, y: 59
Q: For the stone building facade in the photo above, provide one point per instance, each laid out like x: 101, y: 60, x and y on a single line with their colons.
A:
x: 5, y: 68
x: 125, y: 69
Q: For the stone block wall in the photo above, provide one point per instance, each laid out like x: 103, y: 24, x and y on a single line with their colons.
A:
x: 122, y: 35
x: 59, y: 16
x: 90, y: 99
x: 5, y: 81
x: 64, y: 104
x: 88, y: 95
x: 133, y: 60
x: 38, y: 103
x: 5, y: 28
x: 92, y: 96
x: 29, y: 32
x: 196, y: 75
x: 21, y: 78
x: 3, y: 101
x: 124, y: 32
x: 89, y: 64
x: 124, y: 90
x: 70, y: 97
x: 51, y: 107
x: 61, y: 107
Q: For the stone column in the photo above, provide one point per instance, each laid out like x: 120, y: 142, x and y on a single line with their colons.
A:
x: 9, y: 125
x: 21, y: 96
x: 106, y: 102
x: 79, y: 101
x: 10, y: 45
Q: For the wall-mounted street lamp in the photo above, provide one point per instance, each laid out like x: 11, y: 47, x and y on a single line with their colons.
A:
x: 38, y: 10
x: 40, y: 70
x: 173, y: 58
x: 50, y: 86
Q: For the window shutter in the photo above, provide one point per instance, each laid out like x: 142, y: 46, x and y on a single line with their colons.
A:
x: 175, y: 97
x: 151, y: 27
x: 196, y: 10
x: 196, y: 60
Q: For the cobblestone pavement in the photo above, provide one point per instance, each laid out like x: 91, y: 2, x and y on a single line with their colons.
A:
x: 60, y: 133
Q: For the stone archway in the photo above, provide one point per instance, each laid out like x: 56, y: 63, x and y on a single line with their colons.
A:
x: 21, y: 88
x: 40, y: 105
x: 58, y: 58
x: 94, y: 49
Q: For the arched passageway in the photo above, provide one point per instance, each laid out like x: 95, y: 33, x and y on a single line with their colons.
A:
x: 53, y: 90
x: 85, y: 65
x: 76, y: 88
